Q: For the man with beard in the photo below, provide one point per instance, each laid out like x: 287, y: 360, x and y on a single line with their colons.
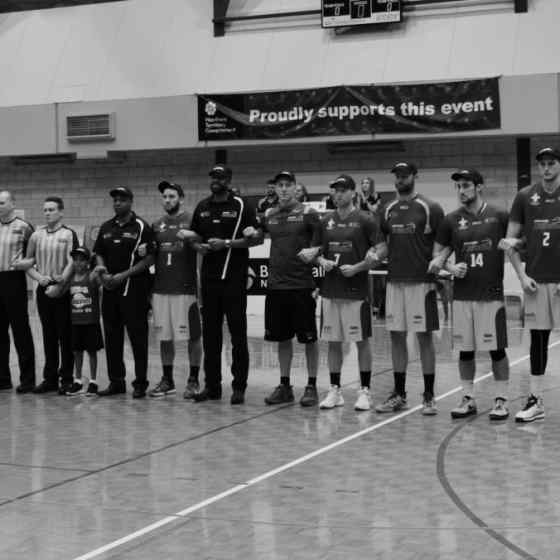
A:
x: 126, y: 290
x: 473, y: 233
x: 174, y: 303
x: 290, y: 305
x: 226, y: 227
x: 408, y: 228
x: 535, y: 215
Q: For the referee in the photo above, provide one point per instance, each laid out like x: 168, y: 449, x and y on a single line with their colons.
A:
x: 14, y: 237
x: 126, y: 291
x: 227, y: 226
x: 49, y: 248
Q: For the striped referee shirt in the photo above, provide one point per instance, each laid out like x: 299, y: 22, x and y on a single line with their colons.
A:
x: 51, y: 249
x: 14, y: 237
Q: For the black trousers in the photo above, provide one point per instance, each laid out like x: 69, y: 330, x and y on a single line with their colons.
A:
x: 13, y: 314
x: 130, y: 311
x: 225, y: 298
x: 56, y: 323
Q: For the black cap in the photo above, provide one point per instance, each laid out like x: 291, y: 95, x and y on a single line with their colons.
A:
x: 468, y: 175
x: 125, y: 192
x: 174, y: 186
x: 220, y: 170
x: 285, y: 175
x: 550, y: 152
x: 82, y: 251
x: 344, y: 182
x: 405, y: 167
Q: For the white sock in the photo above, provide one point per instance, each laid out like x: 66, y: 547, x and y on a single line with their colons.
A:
x: 501, y: 388
x: 537, y: 384
x: 468, y: 388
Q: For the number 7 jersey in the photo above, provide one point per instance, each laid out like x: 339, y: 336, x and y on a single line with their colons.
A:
x: 474, y: 239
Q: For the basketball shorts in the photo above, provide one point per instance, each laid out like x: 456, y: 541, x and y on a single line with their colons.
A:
x: 87, y: 338
x: 289, y: 313
x: 345, y: 320
x: 176, y: 317
x: 542, y: 308
x: 479, y: 325
x: 411, y: 307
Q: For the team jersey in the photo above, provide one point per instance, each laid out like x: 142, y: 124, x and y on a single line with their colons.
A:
x: 291, y: 230
x: 538, y: 212
x: 175, y: 259
x: 346, y: 241
x: 14, y: 237
x: 51, y: 249
x: 84, y: 301
x: 474, y: 239
x: 409, y: 227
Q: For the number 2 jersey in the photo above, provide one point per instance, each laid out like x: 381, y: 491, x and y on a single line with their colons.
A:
x: 175, y: 259
x: 346, y: 241
x: 538, y: 212
x: 474, y: 239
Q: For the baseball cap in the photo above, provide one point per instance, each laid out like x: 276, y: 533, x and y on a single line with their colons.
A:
x: 468, y: 175
x: 285, y: 175
x: 121, y: 191
x: 550, y: 152
x: 344, y: 182
x: 406, y: 167
x: 167, y: 185
x: 81, y: 251
x: 220, y: 170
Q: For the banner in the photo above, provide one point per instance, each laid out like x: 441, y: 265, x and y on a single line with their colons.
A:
x: 347, y: 110
x: 257, y: 279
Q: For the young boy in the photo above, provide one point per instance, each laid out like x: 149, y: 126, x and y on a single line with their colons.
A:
x: 86, y: 329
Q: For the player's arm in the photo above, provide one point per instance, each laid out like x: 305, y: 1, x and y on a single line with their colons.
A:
x: 21, y: 262
x: 32, y: 272
x: 510, y: 244
x: 68, y: 271
x: 309, y: 254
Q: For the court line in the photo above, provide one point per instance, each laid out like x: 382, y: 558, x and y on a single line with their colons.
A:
x: 273, y: 472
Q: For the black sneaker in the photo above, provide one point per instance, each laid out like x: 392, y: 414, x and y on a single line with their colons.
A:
x: 6, y: 386
x: 21, y: 389
x: 310, y: 396
x: 45, y: 387
x: 64, y: 388
x: 206, y: 395
x: 139, y: 393
x: 163, y: 388
x: 92, y: 389
x: 112, y: 389
x: 237, y: 397
x: 282, y: 394
x: 76, y: 389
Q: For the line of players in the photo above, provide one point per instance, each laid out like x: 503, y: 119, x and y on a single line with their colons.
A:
x: 411, y: 233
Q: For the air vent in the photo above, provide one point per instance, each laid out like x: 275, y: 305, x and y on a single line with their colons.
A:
x: 90, y: 128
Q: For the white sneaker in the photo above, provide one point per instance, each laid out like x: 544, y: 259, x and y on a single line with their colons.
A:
x: 333, y: 398
x: 362, y: 402
x: 466, y: 407
x: 500, y: 410
x: 533, y: 410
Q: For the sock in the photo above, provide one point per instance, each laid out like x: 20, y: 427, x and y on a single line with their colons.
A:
x: 312, y: 381
x: 285, y: 381
x: 168, y: 372
x: 429, y: 379
x: 501, y: 388
x: 539, y: 351
x: 335, y: 379
x: 365, y: 378
x: 536, y: 384
x: 400, y: 382
x: 78, y: 380
x: 193, y: 374
x: 468, y: 387
x: 94, y: 381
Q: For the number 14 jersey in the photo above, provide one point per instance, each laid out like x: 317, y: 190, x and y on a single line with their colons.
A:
x: 474, y: 239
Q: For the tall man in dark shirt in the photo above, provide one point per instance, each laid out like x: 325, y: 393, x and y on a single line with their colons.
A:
x: 126, y: 289
x: 227, y: 227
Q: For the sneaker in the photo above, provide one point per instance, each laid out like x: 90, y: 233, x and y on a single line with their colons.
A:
x: 310, y: 396
x: 139, y: 392
x: 92, y: 389
x: 282, y: 394
x: 362, y: 403
x: 192, y: 389
x: 500, y: 411
x: 45, y: 387
x: 207, y: 395
x: 22, y: 389
x: 334, y: 398
x: 112, y: 389
x: 77, y: 388
x: 237, y: 397
x: 65, y: 388
x: 467, y: 407
x: 6, y: 386
x: 163, y: 388
x: 533, y: 410
x: 394, y: 403
x: 429, y: 407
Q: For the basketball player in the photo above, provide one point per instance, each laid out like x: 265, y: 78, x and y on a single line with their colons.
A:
x: 535, y: 216
x: 473, y: 233
x: 174, y: 303
x: 408, y: 228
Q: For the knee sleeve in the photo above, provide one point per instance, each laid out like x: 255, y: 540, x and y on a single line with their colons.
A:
x: 497, y: 355
x: 466, y: 356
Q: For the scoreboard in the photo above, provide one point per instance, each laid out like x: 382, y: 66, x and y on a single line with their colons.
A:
x: 339, y: 13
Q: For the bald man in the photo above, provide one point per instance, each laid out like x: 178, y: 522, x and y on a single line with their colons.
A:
x: 14, y: 235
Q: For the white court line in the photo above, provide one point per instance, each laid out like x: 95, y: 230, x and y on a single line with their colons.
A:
x: 239, y: 487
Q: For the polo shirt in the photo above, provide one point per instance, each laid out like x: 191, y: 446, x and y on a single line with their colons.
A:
x: 14, y: 237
